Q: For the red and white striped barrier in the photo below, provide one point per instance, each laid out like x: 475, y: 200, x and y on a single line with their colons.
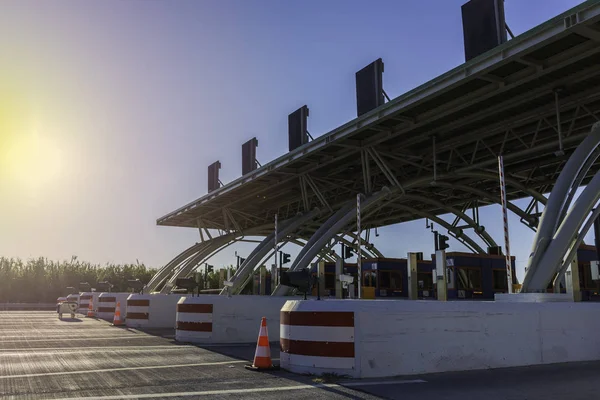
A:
x: 107, y: 302
x: 138, y: 310
x: 222, y: 319
x: 152, y: 310
x: 106, y: 306
x: 317, y: 341
x: 84, y: 302
x: 194, y: 320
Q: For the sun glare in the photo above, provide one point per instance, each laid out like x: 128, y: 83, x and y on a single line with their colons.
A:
x: 31, y: 160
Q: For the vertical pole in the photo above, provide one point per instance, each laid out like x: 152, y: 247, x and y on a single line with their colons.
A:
x: 412, y: 271
x: 505, y: 219
x: 275, y: 254
x: 358, y: 253
x: 558, y: 124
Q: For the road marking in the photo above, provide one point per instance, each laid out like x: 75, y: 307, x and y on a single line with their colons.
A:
x: 63, y: 350
x: 208, y: 392
x: 373, y: 383
x: 246, y: 391
x: 93, y: 371
x: 79, y: 338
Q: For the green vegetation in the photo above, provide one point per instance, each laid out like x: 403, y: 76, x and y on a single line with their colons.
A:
x: 42, y: 281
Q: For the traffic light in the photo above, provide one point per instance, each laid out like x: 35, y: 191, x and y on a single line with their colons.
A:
x: 443, y: 239
x: 300, y: 280
x: 285, y: 258
x: 189, y: 284
x: 348, y: 252
x: 136, y: 285
x: 208, y: 268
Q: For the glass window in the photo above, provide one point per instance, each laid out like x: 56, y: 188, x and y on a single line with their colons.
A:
x: 329, y: 281
x: 370, y: 279
x: 468, y: 278
x: 427, y: 279
x: 475, y: 279
x: 395, y: 280
x: 500, y: 283
x: 384, y: 279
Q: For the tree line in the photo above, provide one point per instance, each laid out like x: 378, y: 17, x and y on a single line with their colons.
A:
x: 40, y: 280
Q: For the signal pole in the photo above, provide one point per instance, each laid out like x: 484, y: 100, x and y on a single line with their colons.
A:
x: 505, y: 220
x: 359, y: 263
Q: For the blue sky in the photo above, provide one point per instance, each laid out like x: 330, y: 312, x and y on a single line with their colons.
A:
x: 127, y: 102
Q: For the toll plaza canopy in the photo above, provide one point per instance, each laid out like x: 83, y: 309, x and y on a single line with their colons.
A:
x: 532, y: 99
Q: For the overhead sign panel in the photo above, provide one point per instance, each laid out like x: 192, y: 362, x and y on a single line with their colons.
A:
x: 297, y: 128
x: 213, y: 176
x: 369, y: 87
x: 249, y: 156
x: 484, y: 26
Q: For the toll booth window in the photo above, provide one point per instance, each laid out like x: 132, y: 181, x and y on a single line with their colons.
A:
x: 329, y: 281
x: 468, y: 278
x: 500, y: 282
x: 390, y: 280
x: 427, y: 279
x: 370, y: 278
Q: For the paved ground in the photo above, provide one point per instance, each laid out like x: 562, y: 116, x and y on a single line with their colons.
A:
x: 42, y: 357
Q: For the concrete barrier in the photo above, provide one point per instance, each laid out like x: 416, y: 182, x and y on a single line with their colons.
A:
x: 152, y: 310
x: 84, y: 302
x: 107, y: 303
x: 390, y: 338
x: 222, y: 319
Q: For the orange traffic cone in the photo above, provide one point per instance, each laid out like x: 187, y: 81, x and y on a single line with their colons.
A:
x: 262, y: 356
x: 91, y: 313
x: 117, y: 321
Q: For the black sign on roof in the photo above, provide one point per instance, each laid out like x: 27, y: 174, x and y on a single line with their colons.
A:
x: 213, y: 176
x: 297, y: 129
x: 369, y: 87
x: 484, y: 26
x: 249, y: 156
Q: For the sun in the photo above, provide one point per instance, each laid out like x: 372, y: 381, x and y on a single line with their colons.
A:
x: 29, y: 159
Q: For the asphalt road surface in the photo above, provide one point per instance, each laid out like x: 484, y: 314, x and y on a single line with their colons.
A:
x: 42, y: 357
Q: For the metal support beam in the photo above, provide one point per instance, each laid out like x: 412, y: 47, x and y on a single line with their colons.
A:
x: 328, y: 230
x: 285, y: 228
x: 550, y: 219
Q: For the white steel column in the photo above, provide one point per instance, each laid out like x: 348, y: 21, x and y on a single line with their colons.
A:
x: 275, y: 254
x: 505, y: 220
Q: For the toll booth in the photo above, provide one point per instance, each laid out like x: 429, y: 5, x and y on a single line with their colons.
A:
x: 388, y: 277
x: 590, y: 289
x: 477, y: 276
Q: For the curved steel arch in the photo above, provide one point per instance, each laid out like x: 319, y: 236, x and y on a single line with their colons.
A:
x: 463, y: 238
x: 480, y: 232
x: 511, y: 206
x: 509, y: 181
x: 575, y: 246
x: 213, y: 246
x: 259, y: 252
x: 166, y: 270
x: 555, y: 232
x: 551, y: 260
x: 328, y: 230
